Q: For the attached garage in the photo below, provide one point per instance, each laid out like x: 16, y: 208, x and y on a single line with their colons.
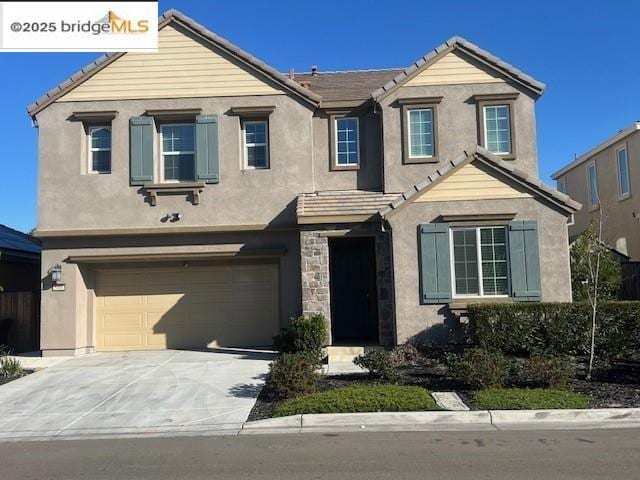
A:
x: 152, y: 308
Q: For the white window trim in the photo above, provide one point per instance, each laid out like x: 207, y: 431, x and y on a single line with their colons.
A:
x: 91, y: 149
x: 247, y: 145
x: 592, y: 206
x: 623, y: 196
x: 486, y: 136
x: 479, y: 262
x: 433, y: 130
x: 335, y: 146
x: 162, y: 153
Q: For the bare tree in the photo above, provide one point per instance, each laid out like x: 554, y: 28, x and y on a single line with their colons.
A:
x: 593, y: 264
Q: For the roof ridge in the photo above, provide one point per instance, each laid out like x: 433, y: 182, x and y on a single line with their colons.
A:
x: 356, y: 70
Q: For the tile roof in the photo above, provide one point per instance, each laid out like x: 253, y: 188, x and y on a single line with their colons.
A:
x: 478, y: 153
x: 359, y: 203
x: 346, y: 85
x: 464, y: 45
x: 14, y: 240
x: 169, y: 16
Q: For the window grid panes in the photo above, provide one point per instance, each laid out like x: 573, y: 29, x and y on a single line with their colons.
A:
x: 421, y: 137
x: 497, y: 129
x: 100, y: 149
x: 623, y: 172
x: 479, y: 259
x: 562, y: 185
x: 256, y: 144
x: 593, y: 185
x: 347, y: 141
x: 178, y: 152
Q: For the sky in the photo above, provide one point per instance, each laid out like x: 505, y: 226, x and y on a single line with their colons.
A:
x: 585, y: 51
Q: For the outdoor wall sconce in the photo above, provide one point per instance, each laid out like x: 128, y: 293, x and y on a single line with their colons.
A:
x: 56, y: 277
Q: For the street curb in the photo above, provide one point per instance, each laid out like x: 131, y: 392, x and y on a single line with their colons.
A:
x: 474, y: 419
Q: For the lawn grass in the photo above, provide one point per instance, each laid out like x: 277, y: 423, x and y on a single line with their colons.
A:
x: 528, y: 398
x: 360, y: 398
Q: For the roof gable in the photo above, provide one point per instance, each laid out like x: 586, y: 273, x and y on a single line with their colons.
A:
x: 474, y: 56
x: 267, y: 79
x: 516, y: 183
x: 453, y: 68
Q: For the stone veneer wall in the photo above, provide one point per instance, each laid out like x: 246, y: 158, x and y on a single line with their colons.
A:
x: 314, y: 251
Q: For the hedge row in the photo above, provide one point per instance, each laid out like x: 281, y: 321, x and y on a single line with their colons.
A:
x: 557, y: 329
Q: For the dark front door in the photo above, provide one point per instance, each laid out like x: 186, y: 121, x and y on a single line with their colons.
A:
x: 354, y: 315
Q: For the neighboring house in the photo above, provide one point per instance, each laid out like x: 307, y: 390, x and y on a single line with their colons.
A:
x: 19, y: 261
x: 197, y: 197
x: 606, y: 180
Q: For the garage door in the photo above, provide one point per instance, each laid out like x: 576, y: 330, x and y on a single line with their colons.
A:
x: 188, y: 307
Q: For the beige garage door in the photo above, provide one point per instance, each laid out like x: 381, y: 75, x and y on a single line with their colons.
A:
x: 188, y: 307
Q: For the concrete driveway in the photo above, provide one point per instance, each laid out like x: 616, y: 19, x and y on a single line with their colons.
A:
x: 135, y: 393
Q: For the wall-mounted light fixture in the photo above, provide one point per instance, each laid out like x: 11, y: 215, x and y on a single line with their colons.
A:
x: 56, y: 277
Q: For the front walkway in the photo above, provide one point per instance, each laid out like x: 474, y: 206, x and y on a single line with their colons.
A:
x: 135, y: 393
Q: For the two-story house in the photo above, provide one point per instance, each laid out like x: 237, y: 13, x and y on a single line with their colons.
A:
x: 606, y: 180
x: 197, y: 197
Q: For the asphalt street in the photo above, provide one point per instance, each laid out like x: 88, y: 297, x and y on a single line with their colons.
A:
x: 557, y: 454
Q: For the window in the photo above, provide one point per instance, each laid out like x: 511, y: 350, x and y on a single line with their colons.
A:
x: 562, y: 185
x: 421, y: 132
x: 100, y: 149
x: 592, y: 178
x: 497, y: 129
x: 256, y: 144
x: 479, y: 262
x: 623, y: 172
x: 178, y: 152
x: 347, y: 143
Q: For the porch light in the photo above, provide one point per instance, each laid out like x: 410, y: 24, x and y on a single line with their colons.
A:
x: 56, y: 273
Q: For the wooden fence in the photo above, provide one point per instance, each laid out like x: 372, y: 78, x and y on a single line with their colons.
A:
x: 630, y: 281
x: 20, y: 321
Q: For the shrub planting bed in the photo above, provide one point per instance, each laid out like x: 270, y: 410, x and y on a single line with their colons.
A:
x: 527, y: 399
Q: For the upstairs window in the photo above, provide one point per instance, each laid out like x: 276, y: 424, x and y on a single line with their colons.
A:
x: 479, y: 262
x: 178, y: 152
x: 623, y: 173
x: 562, y: 185
x: 347, y: 145
x: 256, y: 144
x: 421, y: 133
x: 99, y: 149
x: 497, y: 129
x: 592, y: 178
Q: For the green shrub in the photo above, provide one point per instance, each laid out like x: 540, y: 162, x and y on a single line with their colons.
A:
x: 379, y: 365
x: 543, y: 371
x: 528, y: 398
x: 478, y: 368
x: 406, y: 355
x: 10, y: 367
x: 360, y: 398
x: 304, y: 335
x: 556, y: 329
x: 293, y: 374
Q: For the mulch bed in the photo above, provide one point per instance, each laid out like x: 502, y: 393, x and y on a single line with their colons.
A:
x: 615, y: 388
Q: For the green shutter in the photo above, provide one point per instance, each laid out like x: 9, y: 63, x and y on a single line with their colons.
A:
x: 207, y: 162
x: 435, y: 263
x: 141, y: 155
x: 524, y: 260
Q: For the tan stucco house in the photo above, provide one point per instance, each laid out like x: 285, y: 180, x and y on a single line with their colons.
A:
x: 606, y: 180
x: 197, y: 197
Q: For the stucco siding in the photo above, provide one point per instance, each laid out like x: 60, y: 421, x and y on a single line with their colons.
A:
x: 108, y: 201
x: 69, y: 316
x: 619, y: 225
x: 435, y: 323
x: 457, y: 118
x: 182, y: 67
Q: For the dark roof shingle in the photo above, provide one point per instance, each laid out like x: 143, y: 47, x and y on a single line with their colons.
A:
x: 347, y: 85
x: 11, y: 239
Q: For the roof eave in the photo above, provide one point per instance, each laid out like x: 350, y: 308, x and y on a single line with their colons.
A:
x: 186, y: 22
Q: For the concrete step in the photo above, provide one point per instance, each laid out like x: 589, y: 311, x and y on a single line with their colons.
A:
x: 346, y: 350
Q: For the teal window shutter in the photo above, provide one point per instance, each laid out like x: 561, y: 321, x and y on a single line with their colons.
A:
x: 435, y: 263
x: 524, y: 260
x: 141, y: 154
x: 207, y: 161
